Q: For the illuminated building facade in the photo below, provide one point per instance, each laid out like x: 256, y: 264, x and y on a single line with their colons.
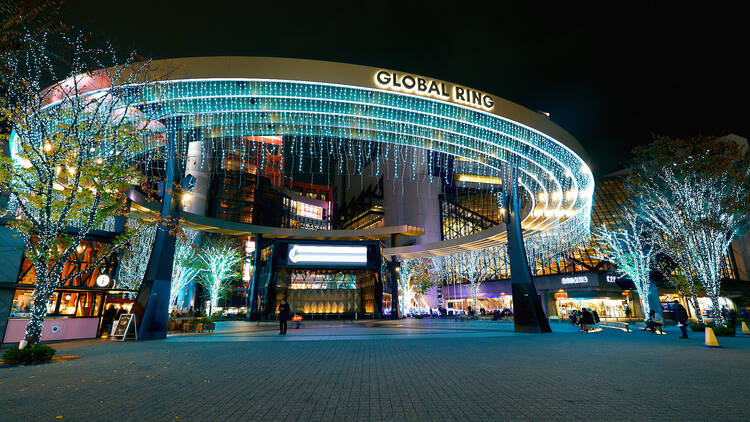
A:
x: 276, y: 149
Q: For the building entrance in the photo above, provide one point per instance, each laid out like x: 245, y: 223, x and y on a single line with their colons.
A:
x: 322, y: 279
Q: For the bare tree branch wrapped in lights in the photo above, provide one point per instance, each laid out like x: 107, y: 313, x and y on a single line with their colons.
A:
x: 696, y: 194
x: 220, y: 262
x: 185, y: 269
x: 632, y: 249
x: 134, y: 258
x: 472, y: 268
x: 73, y: 150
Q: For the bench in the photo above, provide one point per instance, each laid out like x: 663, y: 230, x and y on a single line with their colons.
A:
x: 615, y: 324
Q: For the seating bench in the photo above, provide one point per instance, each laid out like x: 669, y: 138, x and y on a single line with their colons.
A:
x: 615, y: 324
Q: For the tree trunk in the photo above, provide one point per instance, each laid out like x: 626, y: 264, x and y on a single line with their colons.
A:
x: 38, y: 313
x: 718, y: 316
x: 474, y: 288
x: 696, y: 306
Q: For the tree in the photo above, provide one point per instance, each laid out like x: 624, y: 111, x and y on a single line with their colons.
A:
x: 186, y: 266
x: 632, y: 249
x: 134, y: 258
x: 422, y: 278
x: 472, y: 269
x: 73, y: 153
x: 696, y: 194
x: 219, y: 261
x: 684, y: 283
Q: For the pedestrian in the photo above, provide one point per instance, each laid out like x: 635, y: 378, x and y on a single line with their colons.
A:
x: 587, y: 319
x: 283, y: 316
x: 654, y: 322
x: 682, y: 317
x: 108, y: 317
x: 627, y: 311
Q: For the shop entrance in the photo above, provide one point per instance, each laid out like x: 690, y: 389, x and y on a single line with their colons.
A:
x: 322, y: 279
x: 324, y: 294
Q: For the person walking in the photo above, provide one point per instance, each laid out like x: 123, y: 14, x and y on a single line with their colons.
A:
x: 682, y: 317
x: 283, y: 316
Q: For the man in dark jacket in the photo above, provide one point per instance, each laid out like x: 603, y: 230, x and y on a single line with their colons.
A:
x: 283, y: 316
x: 682, y: 317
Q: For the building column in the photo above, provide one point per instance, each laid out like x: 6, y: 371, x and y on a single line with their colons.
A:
x: 151, y: 307
x: 528, y: 314
x: 11, y: 256
x: 252, y: 300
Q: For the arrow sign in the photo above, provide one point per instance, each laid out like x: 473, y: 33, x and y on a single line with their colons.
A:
x: 328, y: 254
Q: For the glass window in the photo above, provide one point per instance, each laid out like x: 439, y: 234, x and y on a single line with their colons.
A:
x: 88, y: 304
x: 52, y: 303
x: 21, y: 306
x: 68, y: 303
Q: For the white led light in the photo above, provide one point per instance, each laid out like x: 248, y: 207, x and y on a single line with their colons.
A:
x: 328, y: 254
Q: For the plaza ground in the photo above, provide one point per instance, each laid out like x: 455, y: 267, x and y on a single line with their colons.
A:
x: 388, y: 370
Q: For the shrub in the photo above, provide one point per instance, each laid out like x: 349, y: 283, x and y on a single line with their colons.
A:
x: 720, y: 331
x: 31, y: 354
x: 206, y: 320
x: 724, y: 331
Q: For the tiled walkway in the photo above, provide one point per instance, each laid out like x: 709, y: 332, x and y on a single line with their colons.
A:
x: 394, y: 371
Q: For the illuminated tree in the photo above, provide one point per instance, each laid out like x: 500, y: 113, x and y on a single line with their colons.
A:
x: 422, y: 278
x: 406, y: 269
x: 684, y: 283
x: 472, y: 266
x: 219, y: 262
x: 185, y: 268
x: 695, y: 194
x: 72, y: 154
x: 134, y: 258
x: 632, y: 249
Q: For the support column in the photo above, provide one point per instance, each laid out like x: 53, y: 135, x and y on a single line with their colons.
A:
x: 151, y: 307
x: 528, y: 314
x: 252, y: 311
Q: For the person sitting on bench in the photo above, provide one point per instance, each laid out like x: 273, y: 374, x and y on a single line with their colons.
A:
x: 653, y: 322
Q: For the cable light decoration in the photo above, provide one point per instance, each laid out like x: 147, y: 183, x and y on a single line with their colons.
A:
x: 355, y: 130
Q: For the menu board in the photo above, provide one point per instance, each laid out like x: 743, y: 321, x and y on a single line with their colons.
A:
x: 122, y: 326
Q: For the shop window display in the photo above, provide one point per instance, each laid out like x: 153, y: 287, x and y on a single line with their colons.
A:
x: 605, y: 308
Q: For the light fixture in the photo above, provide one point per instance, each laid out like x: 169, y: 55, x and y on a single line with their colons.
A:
x: 102, y: 280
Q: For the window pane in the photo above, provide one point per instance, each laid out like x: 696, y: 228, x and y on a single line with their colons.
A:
x: 21, y: 306
x: 88, y: 304
x: 51, y: 303
x: 68, y: 303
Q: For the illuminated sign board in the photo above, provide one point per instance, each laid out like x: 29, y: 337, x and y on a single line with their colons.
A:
x: 309, y: 254
x: 575, y: 280
x: 611, y: 278
x: 431, y: 88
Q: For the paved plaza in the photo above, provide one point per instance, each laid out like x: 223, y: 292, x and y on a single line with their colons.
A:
x: 390, y: 371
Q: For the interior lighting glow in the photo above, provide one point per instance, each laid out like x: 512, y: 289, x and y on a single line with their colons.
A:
x: 475, y: 178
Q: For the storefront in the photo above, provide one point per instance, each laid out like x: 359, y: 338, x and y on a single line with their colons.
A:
x: 75, y: 310
x: 704, y: 303
x: 564, y: 293
x: 321, y: 279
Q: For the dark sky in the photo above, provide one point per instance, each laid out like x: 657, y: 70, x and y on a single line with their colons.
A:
x: 609, y: 76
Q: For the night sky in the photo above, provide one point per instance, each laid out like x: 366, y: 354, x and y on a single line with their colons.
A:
x: 611, y: 77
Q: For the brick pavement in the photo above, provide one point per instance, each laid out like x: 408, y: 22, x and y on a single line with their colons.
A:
x: 394, y: 371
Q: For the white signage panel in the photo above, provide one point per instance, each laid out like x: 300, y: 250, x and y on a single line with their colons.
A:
x: 581, y: 279
x: 319, y: 254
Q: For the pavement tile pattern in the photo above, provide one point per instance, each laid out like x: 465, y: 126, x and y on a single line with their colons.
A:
x: 387, y: 371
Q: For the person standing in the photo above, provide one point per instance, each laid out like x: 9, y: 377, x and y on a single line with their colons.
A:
x: 283, y: 316
x: 682, y: 317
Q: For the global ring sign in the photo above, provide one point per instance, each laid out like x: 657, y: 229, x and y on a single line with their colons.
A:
x: 435, y: 89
